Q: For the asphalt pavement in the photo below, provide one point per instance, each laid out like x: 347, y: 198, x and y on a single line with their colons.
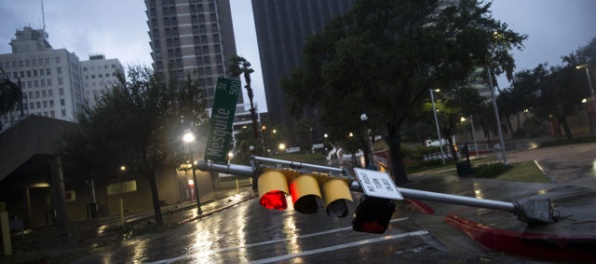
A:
x: 571, y: 170
x: 572, y: 238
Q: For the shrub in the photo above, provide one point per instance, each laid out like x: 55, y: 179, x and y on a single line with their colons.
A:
x: 490, y: 170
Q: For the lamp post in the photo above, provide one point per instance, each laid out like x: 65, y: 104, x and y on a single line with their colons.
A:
x: 352, y: 149
x: 496, y: 109
x: 473, y: 133
x: 369, y: 148
x: 432, y: 99
x: 189, y: 137
x: 585, y: 66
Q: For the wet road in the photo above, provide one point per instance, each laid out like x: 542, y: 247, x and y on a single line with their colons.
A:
x: 248, y: 233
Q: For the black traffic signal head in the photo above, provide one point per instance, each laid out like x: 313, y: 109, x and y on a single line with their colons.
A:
x: 372, y: 215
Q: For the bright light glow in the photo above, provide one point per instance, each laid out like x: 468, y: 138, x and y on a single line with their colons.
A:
x: 188, y: 137
x: 526, y: 110
x: 584, y: 101
x: 122, y: 168
x: 282, y: 146
x: 351, y: 134
x: 581, y: 66
x: 274, y: 131
x: 325, y: 135
x: 191, y: 182
x: 363, y: 117
x: 230, y: 154
x: 437, y: 90
x: 463, y: 119
x: 40, y: 185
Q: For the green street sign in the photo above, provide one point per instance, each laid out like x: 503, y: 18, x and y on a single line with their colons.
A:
x: 222, y: 118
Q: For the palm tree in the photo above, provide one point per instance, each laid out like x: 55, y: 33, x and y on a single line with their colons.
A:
x: 10, y: 94
x: 239, y: 65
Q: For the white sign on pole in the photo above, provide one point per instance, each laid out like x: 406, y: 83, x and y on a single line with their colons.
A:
x: 377, y: 184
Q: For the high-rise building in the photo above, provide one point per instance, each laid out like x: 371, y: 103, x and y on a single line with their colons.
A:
x: 98, y: 75
x: 282, y: 27
x: 191, y: 35
x: 49, y: 78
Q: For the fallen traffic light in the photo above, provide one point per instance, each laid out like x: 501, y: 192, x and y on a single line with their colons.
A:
x: 273, y: 187
x: 305, y: 191
x: 372, y: 214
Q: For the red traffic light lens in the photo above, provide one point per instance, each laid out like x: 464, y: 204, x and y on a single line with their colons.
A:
x: 274, y: 200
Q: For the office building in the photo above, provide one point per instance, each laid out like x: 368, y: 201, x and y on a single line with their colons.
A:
x: 99, y: 74
x: 50, y: 78
x: 282, y: 27
x: 191, y: 35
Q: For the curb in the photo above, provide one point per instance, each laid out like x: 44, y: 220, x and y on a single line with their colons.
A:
x: 247, y: 197
x: 531, y: 245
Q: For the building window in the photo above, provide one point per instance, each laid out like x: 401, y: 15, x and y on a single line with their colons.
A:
x: 63, y: 113
x: 61, y: 102
x: 58, y: 60
x: 61, y: 91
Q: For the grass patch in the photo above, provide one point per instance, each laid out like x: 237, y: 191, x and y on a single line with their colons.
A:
x: 520, y: 172
x: 564, y: 141
x: 524, y: 172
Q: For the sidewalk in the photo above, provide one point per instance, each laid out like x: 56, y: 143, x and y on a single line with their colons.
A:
x: 85, y: 234
x: 572, y: 238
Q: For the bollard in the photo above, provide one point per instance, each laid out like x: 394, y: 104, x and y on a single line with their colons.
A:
x: 122, y: 213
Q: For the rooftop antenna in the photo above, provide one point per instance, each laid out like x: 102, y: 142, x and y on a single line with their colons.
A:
x: 43, y: 17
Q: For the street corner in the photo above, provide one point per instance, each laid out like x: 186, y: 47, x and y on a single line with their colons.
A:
x: 542, y: 246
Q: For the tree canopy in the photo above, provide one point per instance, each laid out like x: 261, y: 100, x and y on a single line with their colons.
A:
x: 553, y: 93
x: 137, y: 123
x: 10, y: 94
x: 384, y: 55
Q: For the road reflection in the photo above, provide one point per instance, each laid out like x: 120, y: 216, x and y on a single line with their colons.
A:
x: 291, y: 234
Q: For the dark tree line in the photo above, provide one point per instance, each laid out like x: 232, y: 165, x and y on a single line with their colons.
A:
x: 383, y: 56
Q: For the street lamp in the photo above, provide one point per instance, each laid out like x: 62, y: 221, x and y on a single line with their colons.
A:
x: 189, y: 137
x: 432, y: 99
x: 585, y: 66
x: 369, y: 148
x: 496, y: 109
x: 473, y: 133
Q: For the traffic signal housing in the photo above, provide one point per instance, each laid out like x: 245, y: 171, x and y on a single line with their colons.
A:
x: 306, y: 190
x: 372, y: 214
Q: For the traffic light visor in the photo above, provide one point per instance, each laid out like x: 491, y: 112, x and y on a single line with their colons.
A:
x: 273, y: 188
x: 336, y: 192
x: 305, y: 191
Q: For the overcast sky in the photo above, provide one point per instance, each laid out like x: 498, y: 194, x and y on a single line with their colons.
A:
x: 118, y: 29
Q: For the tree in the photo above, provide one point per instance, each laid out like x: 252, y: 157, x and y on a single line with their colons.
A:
x: 10, y: 94
x: 384, y: 55
x: 457, y: 103
x: 139, y: 123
